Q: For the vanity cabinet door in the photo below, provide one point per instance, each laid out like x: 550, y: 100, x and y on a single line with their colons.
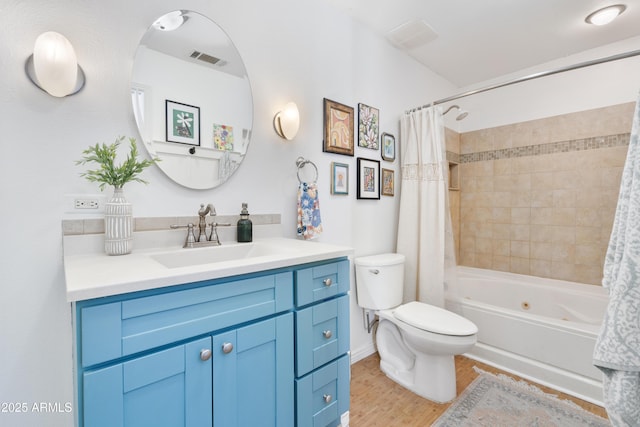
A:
x: 168, y: 388
x: 253, y: 383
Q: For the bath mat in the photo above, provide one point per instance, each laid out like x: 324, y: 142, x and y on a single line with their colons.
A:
x: 499, y: 400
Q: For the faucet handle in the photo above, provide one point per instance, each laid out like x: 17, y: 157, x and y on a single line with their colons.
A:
x: 213, y: 236
x: 191, y: 237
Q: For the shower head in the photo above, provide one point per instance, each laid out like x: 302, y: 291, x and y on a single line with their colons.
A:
x: 461, y: 115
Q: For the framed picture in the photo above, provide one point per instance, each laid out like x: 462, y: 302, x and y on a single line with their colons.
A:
x: 388, y: 147
x: 339, y: 178
x: 183, y: 123
x: 387, y: 182
x: 338, y: 128
x: 368, y: 179
x: 368, y: 127
x: 223, y: 137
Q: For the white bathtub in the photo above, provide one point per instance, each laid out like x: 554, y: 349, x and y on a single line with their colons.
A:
x: 541, y: 329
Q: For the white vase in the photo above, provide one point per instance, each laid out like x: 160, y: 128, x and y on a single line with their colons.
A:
x: 118, y: 224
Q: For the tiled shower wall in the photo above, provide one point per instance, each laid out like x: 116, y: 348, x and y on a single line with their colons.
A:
x: 539, y: 197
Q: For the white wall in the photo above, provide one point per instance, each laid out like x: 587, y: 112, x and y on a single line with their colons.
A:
x: 611, y: 83
x: 300, y: 51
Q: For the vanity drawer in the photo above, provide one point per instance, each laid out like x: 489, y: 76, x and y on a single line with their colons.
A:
x: 321, y: 282
x: 323, y: 396
x: 322, y: 334
x: 112, y: 330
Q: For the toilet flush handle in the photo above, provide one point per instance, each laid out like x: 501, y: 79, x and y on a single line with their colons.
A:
x: 374, y: 271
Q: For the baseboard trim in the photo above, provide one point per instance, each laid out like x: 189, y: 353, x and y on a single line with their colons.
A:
x: 363, y: 352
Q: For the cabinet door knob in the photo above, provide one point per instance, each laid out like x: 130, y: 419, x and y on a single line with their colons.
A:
x: 327, y: 334
x: 327, y: 282
x: 327, y: 398
x: 205, y: 354
x: 227, y: 348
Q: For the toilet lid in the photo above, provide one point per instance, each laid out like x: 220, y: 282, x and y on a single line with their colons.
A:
x: 434, y: 319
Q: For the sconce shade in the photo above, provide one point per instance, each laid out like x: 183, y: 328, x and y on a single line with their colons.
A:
x: 287, y: 121
x: 53, y: 67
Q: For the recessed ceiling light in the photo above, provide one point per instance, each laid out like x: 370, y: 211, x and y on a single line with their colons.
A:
x: 605, y: 15
x: 170, y: 21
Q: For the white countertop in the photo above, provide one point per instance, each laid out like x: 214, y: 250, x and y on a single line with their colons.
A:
x: 94, y: 274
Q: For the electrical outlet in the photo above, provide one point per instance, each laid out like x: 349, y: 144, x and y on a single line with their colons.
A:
x: 84, y: 203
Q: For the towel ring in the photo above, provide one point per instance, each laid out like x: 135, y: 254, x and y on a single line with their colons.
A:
x: 301, y: 162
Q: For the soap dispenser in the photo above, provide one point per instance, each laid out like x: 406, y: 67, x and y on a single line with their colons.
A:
x: 245, y: 227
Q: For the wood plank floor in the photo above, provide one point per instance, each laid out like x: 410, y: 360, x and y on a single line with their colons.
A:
x: 378, y: 401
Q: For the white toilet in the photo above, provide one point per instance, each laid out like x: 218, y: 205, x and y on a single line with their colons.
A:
x: 416, y: 341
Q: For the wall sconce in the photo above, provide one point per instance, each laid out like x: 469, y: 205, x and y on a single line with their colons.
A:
x: 53, y: 67
x: 287, y: 121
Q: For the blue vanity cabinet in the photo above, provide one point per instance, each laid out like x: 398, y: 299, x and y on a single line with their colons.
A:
x: 215, y: 353
x: 266, y: 349
x: 322, y: 344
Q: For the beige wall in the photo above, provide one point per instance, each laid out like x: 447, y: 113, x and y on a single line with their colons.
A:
x: 539, y: 197
x: 452, y: 139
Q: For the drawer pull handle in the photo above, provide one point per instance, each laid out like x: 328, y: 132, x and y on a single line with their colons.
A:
x: 227, y: 348
x: 327, y: 398
x: 327, y: 334
x: 205, y: 354
x: 327, y: 282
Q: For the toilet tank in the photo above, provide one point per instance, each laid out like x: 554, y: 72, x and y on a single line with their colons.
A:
x: 379, y: 281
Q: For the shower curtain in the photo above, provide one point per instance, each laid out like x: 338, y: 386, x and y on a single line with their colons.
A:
x: 425, y: 234
x: 617, y: 350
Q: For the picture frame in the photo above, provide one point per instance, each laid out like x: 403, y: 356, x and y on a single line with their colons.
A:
x: 368, y: 127
x: 339, y: 178
x: 182, y: 123
x: 387, y: 182
x: 368, y: 179
x: 223, y: 137
x: 338, y: 128
x: 388, y: 147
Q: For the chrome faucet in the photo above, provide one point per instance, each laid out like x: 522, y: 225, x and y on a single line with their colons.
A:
x: 202, y: 239
x: 202, y: 224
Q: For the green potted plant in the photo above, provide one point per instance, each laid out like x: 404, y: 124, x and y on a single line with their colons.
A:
x: 118, y: 212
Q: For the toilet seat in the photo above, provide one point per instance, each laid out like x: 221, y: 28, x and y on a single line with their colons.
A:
x: 434, y: 319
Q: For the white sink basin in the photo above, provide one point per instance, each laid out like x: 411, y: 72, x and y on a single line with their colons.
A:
x: 215, y: 254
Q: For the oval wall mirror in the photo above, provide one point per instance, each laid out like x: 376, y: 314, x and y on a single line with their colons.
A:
x: 192, y: 99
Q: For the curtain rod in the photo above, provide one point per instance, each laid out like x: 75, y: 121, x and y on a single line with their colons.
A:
x: 533, y: 76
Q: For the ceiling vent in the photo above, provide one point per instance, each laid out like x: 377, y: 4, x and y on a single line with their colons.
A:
x: 411, y: 35
x: 207, y: 58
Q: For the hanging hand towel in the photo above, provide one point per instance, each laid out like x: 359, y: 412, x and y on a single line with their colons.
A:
x: 309, y: 222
